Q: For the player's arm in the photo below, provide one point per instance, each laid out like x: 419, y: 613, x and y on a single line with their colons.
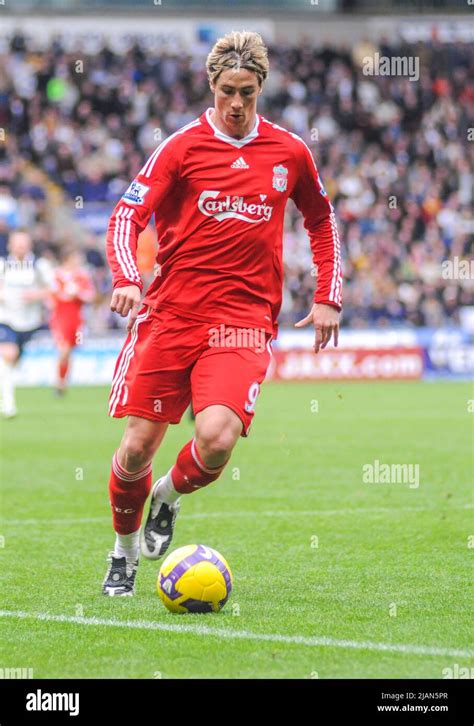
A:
x: 320, y: 223
x: 129, y: 219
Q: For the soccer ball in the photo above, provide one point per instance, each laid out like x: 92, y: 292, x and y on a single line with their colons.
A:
x: 194, y: 579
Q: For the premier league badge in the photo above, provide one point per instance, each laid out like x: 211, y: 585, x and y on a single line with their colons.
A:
x: 136, y: 193
x: 280, y: 178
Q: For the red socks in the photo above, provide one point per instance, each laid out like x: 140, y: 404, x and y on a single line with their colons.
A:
x: 63, y: 368
x: 189, y: 473
x: 128, y: 494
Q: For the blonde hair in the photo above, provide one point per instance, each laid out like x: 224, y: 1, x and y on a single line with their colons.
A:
x: 236, y: 50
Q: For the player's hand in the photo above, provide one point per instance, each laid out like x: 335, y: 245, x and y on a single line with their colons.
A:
x: 126, y: 300
x: 325, y: 319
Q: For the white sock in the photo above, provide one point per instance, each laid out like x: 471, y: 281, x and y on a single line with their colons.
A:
x: 7, y: 387
x: 127, y: 545
x: 165, y: 490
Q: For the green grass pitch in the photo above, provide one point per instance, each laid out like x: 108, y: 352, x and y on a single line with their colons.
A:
x: 334, y: 577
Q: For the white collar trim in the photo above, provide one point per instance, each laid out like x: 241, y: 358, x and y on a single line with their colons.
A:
x: 238, y: 143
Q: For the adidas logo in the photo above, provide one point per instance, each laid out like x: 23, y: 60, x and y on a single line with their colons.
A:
x: 240, y: 164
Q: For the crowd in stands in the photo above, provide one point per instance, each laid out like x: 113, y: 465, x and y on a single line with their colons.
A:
x: 396, y: 156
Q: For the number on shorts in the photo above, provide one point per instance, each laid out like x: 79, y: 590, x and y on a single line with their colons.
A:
x: 252, y: 396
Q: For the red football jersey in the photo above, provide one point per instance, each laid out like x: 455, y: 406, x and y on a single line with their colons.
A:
x: 219, y: 204
x: 70, y: 290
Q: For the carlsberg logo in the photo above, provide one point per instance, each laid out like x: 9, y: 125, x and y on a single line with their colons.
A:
x: 234, y: 207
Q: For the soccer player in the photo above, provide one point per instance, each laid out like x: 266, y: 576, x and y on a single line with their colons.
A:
x: 218, y: 188
x: 24, y: 287
x: 72, y: 287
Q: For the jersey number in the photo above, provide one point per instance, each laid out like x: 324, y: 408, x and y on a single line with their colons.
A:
x: 252, y: 396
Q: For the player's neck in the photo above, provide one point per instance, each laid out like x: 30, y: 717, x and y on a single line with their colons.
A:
x: 221, y: 126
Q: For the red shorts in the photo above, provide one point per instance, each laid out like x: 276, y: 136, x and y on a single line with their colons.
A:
x: 168, y: 361
x: 65, y: 331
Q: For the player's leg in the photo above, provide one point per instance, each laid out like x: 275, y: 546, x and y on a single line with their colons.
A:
x: 9, y: 355
x: 204, y: 457
x: 64, y: 359
x: 12, y: 343
x: 129, y: 486
x: 225, y: 386
x: 65, y: 331
x: 151, y: 386
x: 200, y: 462
x: 218, y: 428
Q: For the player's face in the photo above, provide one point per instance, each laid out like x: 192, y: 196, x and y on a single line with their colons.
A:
x: 235, y: 101
x: 19, y: 245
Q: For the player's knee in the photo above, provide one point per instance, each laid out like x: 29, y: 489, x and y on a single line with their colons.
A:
x: 216, y: 442
x: 10, y: 353
x: 135, y: 452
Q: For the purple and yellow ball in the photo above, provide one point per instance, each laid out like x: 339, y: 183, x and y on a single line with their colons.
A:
x: 195, y: 579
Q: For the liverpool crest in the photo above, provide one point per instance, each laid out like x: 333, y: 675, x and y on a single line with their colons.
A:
x: 280, y: 178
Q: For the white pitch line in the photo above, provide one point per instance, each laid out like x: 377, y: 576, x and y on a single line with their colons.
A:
x: 231, y: 513
x: 310, y: 641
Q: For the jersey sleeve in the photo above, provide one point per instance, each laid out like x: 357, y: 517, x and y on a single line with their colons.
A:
x: 134, y: 210
x: 311, y: 199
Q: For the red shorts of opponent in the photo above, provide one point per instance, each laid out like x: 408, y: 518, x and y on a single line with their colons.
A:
x: 167, y: 361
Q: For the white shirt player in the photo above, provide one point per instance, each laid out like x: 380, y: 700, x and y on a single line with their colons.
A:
x: 17, y: 277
